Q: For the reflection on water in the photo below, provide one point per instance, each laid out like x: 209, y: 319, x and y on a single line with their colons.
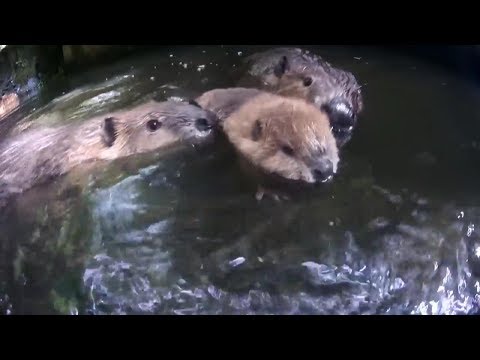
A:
x: 395, y: 233
x: 413, y: 265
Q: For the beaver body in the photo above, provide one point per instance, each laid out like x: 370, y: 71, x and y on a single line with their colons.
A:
x: 298, y: 73
x: 224, y: 102
x: 36, y: 156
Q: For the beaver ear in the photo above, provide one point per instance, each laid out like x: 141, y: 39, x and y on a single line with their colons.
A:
x: 256, y: 131
x: 109, y: 133
x: 282, y: 67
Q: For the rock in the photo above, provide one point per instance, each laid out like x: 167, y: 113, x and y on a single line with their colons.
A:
x: 79, y: 56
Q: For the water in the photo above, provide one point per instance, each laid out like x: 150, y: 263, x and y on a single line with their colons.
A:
x: 395, y: 233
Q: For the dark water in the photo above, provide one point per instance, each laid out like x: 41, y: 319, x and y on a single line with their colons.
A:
x: 395, y: 233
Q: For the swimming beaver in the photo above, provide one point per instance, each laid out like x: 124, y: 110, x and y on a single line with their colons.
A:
x: 298, y: 73
x: 279, y: 135
x: 35, y: 156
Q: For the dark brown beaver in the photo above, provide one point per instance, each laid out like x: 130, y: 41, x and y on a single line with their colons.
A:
x: 298, y: 73
x: 37, y: 155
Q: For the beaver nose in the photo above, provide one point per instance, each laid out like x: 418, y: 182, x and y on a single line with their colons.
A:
x: 340, y: 113
x: 323, y: 171
x: 203, y: 124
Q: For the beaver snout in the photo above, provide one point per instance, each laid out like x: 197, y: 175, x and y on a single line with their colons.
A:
x: 204, y: 124
x: 323, y: 170
x: 341, y: 115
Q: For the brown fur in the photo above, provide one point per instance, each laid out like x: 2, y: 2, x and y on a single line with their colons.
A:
x: 285, y: 69
x: 224, y: 102
x: 297, y: 73
x: 8, y: 103
x: 319, y: 92
x: 35, y: 156
x: 262, y: 125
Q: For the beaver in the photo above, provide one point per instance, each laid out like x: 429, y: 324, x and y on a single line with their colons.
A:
x: 281, y: 136
x: 39, y: 155
x: 298, y: 73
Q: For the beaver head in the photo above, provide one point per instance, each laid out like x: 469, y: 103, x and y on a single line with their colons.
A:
x: 284, y: 136
x: 332, y: 90
x: 157, y: 125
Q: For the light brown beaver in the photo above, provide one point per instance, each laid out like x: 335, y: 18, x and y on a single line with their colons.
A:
x: 36, y: 156
x: 279, y: 135
x: 298, y: 73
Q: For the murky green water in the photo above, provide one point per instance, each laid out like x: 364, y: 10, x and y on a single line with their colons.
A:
x: 395, y: 233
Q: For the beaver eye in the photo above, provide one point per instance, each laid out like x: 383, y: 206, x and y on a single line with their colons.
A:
x: 288, y: 150
x: 256, y: 130
x: 307, y: 81
x: 153, y: 125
